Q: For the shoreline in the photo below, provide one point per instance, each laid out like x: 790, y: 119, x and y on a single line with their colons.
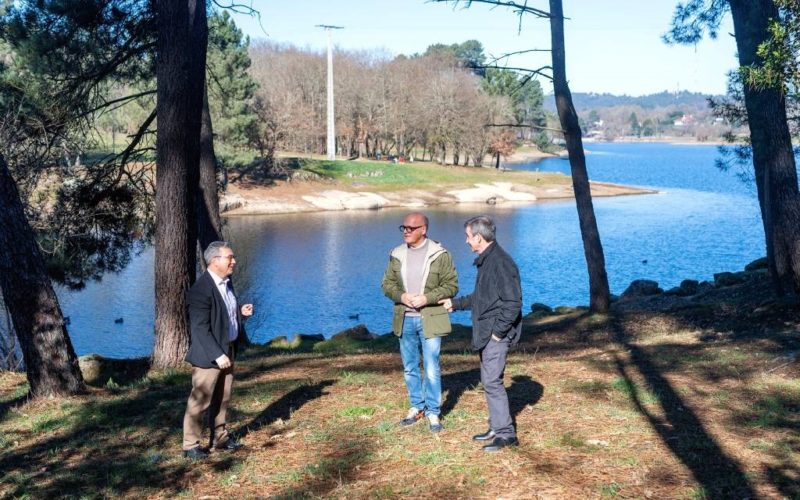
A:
x: 307, y: 197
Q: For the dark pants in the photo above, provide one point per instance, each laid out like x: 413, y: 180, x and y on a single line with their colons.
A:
x: 493, y: 364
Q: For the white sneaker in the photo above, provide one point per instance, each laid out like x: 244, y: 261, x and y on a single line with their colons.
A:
x: 413, y: 415
x: 434, y: 424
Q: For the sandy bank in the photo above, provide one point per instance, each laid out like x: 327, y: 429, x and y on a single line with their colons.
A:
x: 296, y: 197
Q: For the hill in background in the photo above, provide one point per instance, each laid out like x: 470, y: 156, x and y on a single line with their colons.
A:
x: 592, y: 100
x: 663, y: 116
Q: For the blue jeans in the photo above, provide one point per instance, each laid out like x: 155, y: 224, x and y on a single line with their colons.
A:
x: 426, y: 395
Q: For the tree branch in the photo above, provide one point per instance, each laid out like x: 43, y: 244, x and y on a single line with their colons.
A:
x: 114, y: 101
x: 522, y: 125
x: 519, y: 9
x: 537, y: 71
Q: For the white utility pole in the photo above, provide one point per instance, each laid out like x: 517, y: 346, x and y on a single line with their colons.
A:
x: 331, y: 127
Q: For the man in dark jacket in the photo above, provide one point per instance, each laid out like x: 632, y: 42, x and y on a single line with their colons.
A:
x: 496, y: 305
x: 215, y: 321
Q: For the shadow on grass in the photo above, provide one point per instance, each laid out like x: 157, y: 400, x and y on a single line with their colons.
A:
x: 524, y: 392
x: 10, y: 404
x: 679, y: 428
x: 284, y: 406
x: 102, y: 447
x: 456, y: 384
x: 339, y: 465
x: 775, y: 409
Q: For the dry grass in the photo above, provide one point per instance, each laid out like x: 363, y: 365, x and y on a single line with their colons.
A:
x: 653, y: 404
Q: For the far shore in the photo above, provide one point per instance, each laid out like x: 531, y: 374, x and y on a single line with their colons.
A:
x: 485, y: 186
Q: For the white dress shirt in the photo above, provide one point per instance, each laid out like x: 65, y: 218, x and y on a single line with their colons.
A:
x: 224, y: 287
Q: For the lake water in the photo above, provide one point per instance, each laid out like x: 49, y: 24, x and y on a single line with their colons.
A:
x: 313, y: 273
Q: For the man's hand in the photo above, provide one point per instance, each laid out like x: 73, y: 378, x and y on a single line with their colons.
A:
x: 247, y: 310
x: 447, y: 304
x: 223, y: 362
x: 418, y: 301
x: 406, y: 299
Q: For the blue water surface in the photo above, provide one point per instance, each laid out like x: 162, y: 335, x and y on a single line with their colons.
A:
x: 313, y: 273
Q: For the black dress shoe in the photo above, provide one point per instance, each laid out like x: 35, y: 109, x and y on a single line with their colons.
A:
x: 484, y: 437
x: 498, y: 443
x: 230, y: 444
x: 195, y: 453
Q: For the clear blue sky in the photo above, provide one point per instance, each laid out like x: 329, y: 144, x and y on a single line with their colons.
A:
x: 612, y: 46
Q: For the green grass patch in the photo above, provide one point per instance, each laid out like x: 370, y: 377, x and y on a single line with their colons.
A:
x: 587, y: 387
x: 772, y: 411
x: 698, y: 494
x: 610, y: 490
x: 320, y: 436
x: 358, y: 411
x: 343, y: 345
x: 358, y: 378
x: 388, y: 176
x: 572, y: 440
x: 632, y: 392
x: 18, y: 392
x: 431, y: 458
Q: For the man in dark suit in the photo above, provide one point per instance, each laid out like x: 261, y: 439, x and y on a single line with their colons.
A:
x: 215, y: 321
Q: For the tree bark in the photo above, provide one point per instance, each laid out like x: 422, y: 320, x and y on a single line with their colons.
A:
x: 180, y: 77
x: 209, y: 223
x: 599, y: 295
x: 773, y: 157
x: 50, y: 360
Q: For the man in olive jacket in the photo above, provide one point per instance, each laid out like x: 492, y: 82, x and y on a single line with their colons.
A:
x: 419, y: 275
x: 496, y: 305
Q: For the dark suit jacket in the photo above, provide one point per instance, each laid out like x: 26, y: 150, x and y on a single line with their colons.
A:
x: 208, y: 323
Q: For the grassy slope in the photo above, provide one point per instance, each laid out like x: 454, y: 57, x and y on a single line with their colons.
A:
x: 391, y: 176
x: 662, y: 399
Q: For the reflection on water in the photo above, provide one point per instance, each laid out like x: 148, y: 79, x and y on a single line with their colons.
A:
x: 311, y: 273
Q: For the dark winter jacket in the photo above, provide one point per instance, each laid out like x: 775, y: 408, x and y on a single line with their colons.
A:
x: 496, y: 302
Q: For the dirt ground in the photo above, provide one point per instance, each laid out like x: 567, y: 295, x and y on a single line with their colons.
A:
x: 666, y: 397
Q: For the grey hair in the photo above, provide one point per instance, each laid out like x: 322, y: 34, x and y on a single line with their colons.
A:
x: 213, y: 250
x: 483, y: 225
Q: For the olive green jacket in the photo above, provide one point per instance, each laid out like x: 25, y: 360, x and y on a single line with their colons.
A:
x: 441, y: 282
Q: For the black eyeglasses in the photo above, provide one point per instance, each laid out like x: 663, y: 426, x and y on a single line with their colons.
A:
x: 408, y: 229
x: 229, y: 257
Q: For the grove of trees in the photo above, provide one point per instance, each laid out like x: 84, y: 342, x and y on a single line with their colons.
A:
x: 436, y: 105
x: 172, y: 84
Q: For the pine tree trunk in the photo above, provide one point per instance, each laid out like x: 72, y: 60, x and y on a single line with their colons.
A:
x: 773, y: 157
x: 180, y: 82
x: 599, y: 295
x: 50, y: 360
x: 209, y: 223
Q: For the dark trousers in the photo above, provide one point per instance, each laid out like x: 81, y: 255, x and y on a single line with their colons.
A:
x: 493, y: 365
